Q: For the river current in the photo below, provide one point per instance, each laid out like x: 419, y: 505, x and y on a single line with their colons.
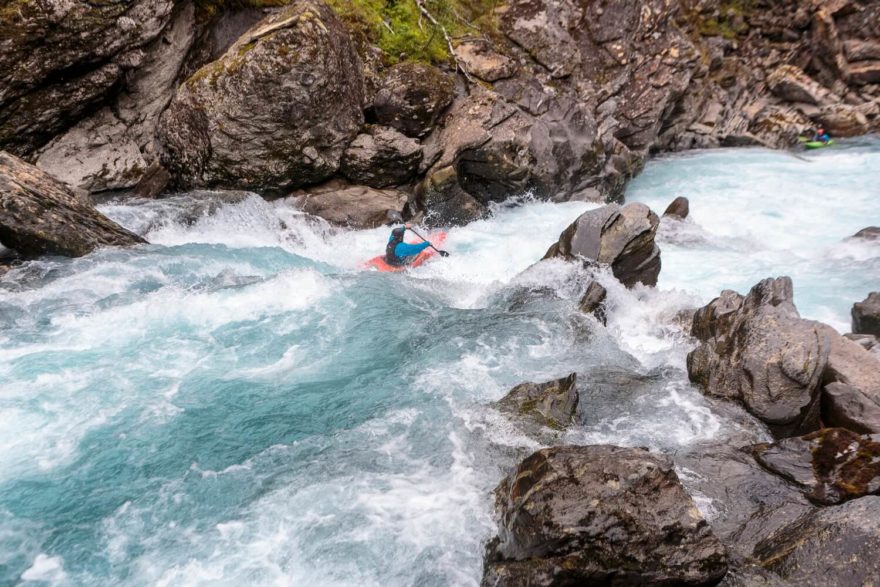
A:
x: 239, y: 403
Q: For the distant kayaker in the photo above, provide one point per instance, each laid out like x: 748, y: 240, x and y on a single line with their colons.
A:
x: 821, y: 135
x: 397, y: 252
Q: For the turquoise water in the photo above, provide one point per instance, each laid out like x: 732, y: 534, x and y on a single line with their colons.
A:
x: 238, y: 403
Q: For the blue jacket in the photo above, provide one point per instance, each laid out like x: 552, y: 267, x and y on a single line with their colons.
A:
x: 408, y: 250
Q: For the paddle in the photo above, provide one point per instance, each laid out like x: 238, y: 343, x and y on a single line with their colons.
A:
x: 442, y: 253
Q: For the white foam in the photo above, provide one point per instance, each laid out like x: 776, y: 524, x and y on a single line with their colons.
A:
x: 45, y: 568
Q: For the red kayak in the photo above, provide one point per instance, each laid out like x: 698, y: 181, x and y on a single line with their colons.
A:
x: 379, y: 263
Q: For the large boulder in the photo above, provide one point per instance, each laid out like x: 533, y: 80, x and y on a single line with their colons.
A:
x: 757, y: 350
x: 60, y: 59
x: 411, y: 97
x: 679, y: 208
x: 276, y: 111
x: 851, y: 395
x: 381, y: 157
x: 353, y: 206
x: 599, y: 515
x: 39, y: 214
x: 866, y: 315
x: 831, y: 546
x: 593, y: 301
x: 622, y: 237
x: 552, y: 404
x: 831, y: 465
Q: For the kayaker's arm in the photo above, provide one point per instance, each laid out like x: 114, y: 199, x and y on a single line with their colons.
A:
x: 408, y: 249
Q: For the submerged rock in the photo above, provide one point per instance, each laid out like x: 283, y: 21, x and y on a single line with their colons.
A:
x: 593, y: 301
x: 679, y: 208
x: 39, y: 214
x: 832, y: 465
x: 831, y: 546
x: 757, y: 350
x: 354, y: 206
x: 552, y: 404
x: 622, y: 237
x: 411, y: 97
x: 870, y: 233
x: 599, y: 515
x: 866, y: 315
x: 275, y: 112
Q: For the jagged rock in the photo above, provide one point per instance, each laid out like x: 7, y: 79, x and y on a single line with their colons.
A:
x: 871, y: 233
x: 859, y: 50
x: 552, y: 404
x: 275, y: 112
x: 866, y: 341
x: 757, y: 350
x: 39, y: 214
x: 866, y: 315
x: 153, y: 182
x: 593, y: 301
x: 793, y: 85
x: 480, y: 60
x: 864, y: 72
x: 381, y: 157
x: 831, y: 465
x: 851, y: 396
x: 843, y: 120
x: 678, y: 208
x: 599, y: 515
x: 59, y: 59
x: 354, y: 206
x: 831, y: 546
x: 411, y: 97
x: 543, y: 30
x: 622, y: 237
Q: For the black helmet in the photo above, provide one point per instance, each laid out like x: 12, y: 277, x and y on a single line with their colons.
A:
x: 399, y: 231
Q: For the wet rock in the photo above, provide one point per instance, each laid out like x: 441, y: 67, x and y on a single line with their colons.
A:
x: 155, y: 180
x: 411, y: 97
x: 58, y: 60
x: 482, y: 61
x: 593, y: 301
x: 831, y: 546
x: 851, y: 395
x: 381, y: 157
x: 39, y: 215
x: 866, y: 315
x: 275, y: 112
x: 679, y: 208
x: 831, y: 465
x: 354, y: 206
x: 757, y: 350
x: 552, y: 404
x: 599, y: 515
x: 622, y: 237
x: 871, y: 233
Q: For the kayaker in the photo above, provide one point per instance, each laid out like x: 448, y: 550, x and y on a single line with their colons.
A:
x: 399, y: 253
x: 821, y: 135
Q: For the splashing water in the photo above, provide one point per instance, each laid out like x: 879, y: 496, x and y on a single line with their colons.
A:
x: 239, y: 403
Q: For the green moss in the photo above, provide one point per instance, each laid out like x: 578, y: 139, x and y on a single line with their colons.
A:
x: 12, y: 11
x: 209, y: 8
x: 732, y: 22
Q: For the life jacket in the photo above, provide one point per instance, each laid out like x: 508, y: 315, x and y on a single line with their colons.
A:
x: 390, y: 256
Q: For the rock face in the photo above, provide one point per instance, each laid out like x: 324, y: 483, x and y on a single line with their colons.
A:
x: 552, y: 404
x: 757, y: 350
x: 412, y: 97
x: 622, y: 237
x: 832, y: 465
x: 593, y: 301
x: 39, y: 215
x: 381, y: 157
x: 851, y: 396
x: 58, y: 60
x: 866, y: 315
x: 276, y: 111
x: 832, y: 546
x: 679, y: 208
x: 599, y: 515
x: 353, y: 206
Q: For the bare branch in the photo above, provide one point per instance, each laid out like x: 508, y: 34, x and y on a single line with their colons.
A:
x: 423, y: 10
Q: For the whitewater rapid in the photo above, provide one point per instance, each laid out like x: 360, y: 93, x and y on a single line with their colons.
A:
x: 239, y: 403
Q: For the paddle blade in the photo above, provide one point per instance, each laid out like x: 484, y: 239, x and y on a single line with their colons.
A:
x: 443, y: 253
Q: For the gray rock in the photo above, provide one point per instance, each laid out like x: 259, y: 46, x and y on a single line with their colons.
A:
x: 411, y: 97
x: 381, y: 157
x: 599, y: 515
x: 679, y: 208
x: 480, y: 60
x: 275, y: 112
x: 870, y: 233
x: 40, y: 215
x: 622, y: 237
x: 543, y: 30
x: 153, y: 182
x: 851, y: 396
x: 552, y: 404
x: 831, y: 546
x: 593, y: 301
x: 866, y: 315
x: 831, y: 465
x: 757, y: 350
x: 348, y: 205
